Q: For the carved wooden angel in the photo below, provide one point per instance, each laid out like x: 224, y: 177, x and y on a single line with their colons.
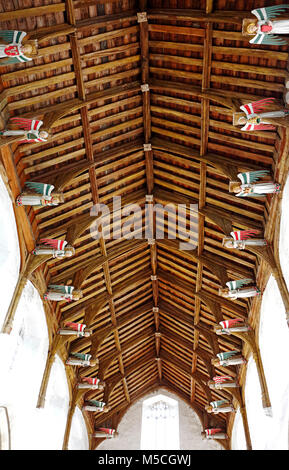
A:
x: 29, y: 130
x: 79, y: 359
x: 236, y: 290
x: 241, y: 239
x: 54, y: 247
x: 91, y: 383
x: 266, y: 29
x: 15, y: 47
x: 39, y: 194
x: 249, y: 187
x: 229, y: 358
x: 222, y: 381
x: 228, y: 327
x: 220, y: 406
x: 95, y: 405
x: 59, y: 292
x: 214, y: 433
x: 254, y: 119
x: 74, y: 329
x: 106, y: 433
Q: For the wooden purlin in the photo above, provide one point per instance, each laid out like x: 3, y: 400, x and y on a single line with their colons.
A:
x: 93, y: 181
x: 144, y: 46
x: 205, y: 122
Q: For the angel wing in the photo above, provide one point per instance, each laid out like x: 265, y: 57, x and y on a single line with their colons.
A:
x: 243, y: 234
x: 40, y: 188
x: 272, y: 39
x: 257, y: 127
x: 252, y: 176
x: 251, y: 109
x: 232, y: 285
x: 61, y: 289
x: 27, y: 124
x: 217, y: 403
x: 55, y: 244
x: 266, y: 13
x: 226, y: 355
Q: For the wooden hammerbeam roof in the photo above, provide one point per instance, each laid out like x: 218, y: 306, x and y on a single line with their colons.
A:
x: 105, y: 84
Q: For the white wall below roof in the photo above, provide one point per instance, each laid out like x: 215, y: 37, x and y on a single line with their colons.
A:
x: 268, y: 433
x: 130, y: 428
x: 23, y: 356
x: 9, y: 251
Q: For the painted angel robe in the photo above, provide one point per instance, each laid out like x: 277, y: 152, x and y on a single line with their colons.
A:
x: 224, y: 381
x: 78, y: 359
x: 221, y: 406
x: 231, y: 326
x: 88, y: 383
x: 11, y: 46
x: 51, y: 247
x: 230, y: 358
x: 58, y: 293
x: 76, y: 329
x: 107, y: 433
x: 94, y: 405
x: 42, y: 196
x: 215, y: 433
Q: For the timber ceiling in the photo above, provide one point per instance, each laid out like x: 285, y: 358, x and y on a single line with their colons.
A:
x: 199, y: 69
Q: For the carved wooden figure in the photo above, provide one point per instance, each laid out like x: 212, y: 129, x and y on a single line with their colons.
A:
x: 248, y: 186
x: 255, y: 119
x: 106, y: 433
x: 241, y: 239
x: 15, y: 47
x: 221, y: 382
x: 83, y: 360
x: 91, y: 384
x: 267, y: 28
x: 220, y: 406
x: 229, y: 358
x: 236, y: 290
x: 228, y: 327
x: 39, y: 194
x: 76, y: 329
x: 95, y: 405
x: 29, y: 130
x: 58, y: 293
x: 55, y: 248
x: 214, y: 433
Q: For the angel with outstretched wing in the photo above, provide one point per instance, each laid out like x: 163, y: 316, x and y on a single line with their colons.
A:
x: 226, y: 327
x: 79, y: 359
x: 220, y: 406
x: 16, y: 48
x: 60, y: 292
x: 39, y: 194
x: 268, y: 27
x: 248, y: 186
x: 229, y: 358
x: 241, y: 238
x: 237, y: 290
x: 258, y: 118
x: 29, y: 130
x: 54, y: 247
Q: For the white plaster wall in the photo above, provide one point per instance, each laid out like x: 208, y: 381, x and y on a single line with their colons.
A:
x: 130, y: 428
x: 9, y: 251
x: 283, y: 238
x: 23, y: 356
x: 78, y: 439
x: 238, y: 440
